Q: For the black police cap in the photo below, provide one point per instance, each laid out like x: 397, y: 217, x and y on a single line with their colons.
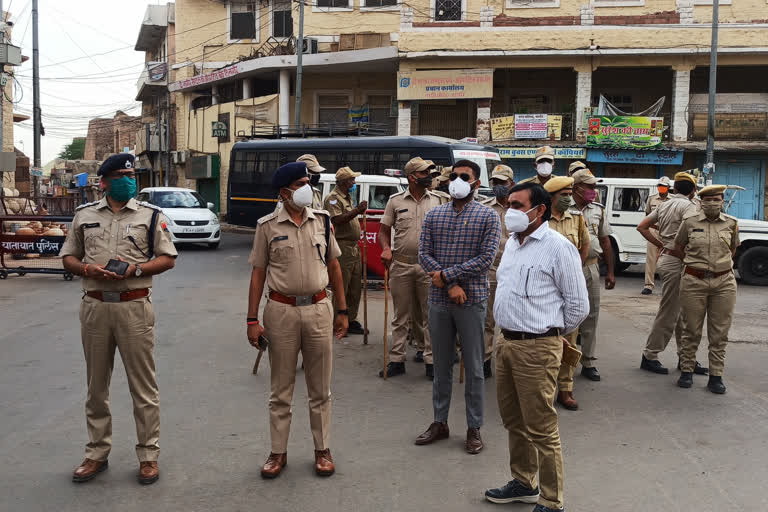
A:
x: 115, y: 163
x: 289, y: 173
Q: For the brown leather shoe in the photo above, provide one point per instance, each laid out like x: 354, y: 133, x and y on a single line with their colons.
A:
x: 148, y: 472
x: 88, y: 469
x: 435, y: 432
x: 274, y: 465
x: 474, y: 442
x: 324, y: 463
x: 565, y: 398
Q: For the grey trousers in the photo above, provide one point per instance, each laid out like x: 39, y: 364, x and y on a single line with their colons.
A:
x: 469, y: 322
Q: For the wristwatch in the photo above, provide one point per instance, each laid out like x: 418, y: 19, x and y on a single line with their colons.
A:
x: 138, y: 271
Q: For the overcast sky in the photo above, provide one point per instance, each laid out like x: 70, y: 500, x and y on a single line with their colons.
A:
x: 76, y: 83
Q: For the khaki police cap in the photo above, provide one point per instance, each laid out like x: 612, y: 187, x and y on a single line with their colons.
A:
x: 584, y: 176
x: 445, y: 175
x: 312, y: 163
x: 663, y: 182
x: 712, y: 190
x: 684, y: 176
x: 345, y: 173
x: 544, y: 152
x: 557, y: 184
x: 503, y: 172
x: 575, y: 166
x: 418, y: 164
x: 434, y: 172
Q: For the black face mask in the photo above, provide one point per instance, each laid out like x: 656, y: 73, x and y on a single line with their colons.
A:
x: 314, y: 179
x: 500, y: 191
x: 424, y: 182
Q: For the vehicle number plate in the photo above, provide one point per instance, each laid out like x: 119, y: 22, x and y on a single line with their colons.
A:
x: 193, y: 230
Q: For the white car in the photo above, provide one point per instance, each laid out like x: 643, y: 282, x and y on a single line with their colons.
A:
x: 191, y: 219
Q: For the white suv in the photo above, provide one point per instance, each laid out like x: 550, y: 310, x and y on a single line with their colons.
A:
x: 190, y: 217
x: 624, y: 200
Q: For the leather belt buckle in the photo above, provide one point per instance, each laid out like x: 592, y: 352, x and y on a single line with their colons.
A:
x: 110, y: 296
x: 304, y: 300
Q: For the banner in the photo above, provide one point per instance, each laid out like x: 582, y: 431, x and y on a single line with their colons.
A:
x: 554, y: 127
x: 531, y: 126
x: 625, y: 131
x: 358, y: 114
x: 525, y: 152
x: 444, y: 84
x: 503, y: 128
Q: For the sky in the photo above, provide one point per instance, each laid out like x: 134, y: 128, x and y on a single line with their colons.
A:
x: 88, y: 67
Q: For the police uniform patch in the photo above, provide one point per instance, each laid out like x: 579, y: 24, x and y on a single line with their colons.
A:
x: 333, y: 201
x: 86, y: 205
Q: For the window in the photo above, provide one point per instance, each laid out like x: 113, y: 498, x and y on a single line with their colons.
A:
x: 333, y: 109
x: 282, y: 20
x: 254, y: 168
x: 379, y: 107
x: 378, y: 195
x: 242, y: 20
x: 630, y: 199
x: 343, y: 4
x: 602, y: 193
x: 448, y: 10
x: 380, y: 3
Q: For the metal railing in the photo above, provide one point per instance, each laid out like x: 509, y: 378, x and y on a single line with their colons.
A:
x: 730, y: 126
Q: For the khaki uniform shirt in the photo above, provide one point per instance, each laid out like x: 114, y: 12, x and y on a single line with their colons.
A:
x: 406, y: 215
x: 292, y: 255
x: 98, y: 235
x: 535, y: 179
x: 709, y: 244
x: 572, y: 226
x: 598, y: 226
x: 501, y: 211
x: 444, y: 198
x: 669, y: 215
x: 338, y: 204
x: 653, y: 202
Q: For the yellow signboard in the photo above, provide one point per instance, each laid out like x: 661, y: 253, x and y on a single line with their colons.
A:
x: 503, y: 128
x: 444, y: 84
x: 554, y: 127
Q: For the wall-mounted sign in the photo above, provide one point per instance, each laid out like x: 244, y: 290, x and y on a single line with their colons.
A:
x: 157, y: 71
x: 628, y: 156
x: 359, y: 114
x: 503, y: 128
x: 219, y: 129
x: 625, y: 131
x: 206, y: 79
x: 530, y: 126
x: 445, y: 84
x: 560, y: 153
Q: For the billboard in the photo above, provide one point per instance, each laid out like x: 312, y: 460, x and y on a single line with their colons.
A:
x: 444, y: 84
x: 625, y: 131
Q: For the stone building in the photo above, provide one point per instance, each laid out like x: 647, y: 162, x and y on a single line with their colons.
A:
x: 108, y: 136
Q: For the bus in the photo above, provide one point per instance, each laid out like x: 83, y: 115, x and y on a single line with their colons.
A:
x: 249, y: 190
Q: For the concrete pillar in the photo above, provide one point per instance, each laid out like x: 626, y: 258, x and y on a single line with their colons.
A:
x: 404, y: 118
x: 483, y: 132
x: 247, y: 94
x: 486, y: 16
x: 214, y: 95
x: 285, y: 98
x: 406, y: 18
x: 588, y: 14
x: 681, y: 95
x: 583, y: 99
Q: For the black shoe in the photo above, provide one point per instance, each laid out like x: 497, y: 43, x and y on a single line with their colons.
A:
x: 430, y: 371
x: 487, y: 372
x: 685, y: 380
x: 393, y: 370
x: 654, y: 366
x: 355, y: 328
x: 716, y: 385
x: 590, y: 373
x: 646, y: 291
x: 513, y: 492
x: 456, y: 358
x: 542, y: 508
x: 419, y: 357
x: 697, y: 369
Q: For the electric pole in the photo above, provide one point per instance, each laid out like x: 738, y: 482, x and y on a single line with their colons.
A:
x: 299, y: 55
x: 712, y: 89
x: 37, y: 123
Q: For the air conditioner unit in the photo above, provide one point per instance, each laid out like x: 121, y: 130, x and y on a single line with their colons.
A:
x: 309, y: 45
x: 175, y: 156
x: 182, y: 156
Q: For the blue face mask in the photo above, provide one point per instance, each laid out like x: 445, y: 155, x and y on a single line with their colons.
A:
x: 122, y: 189
x: 353, y: 188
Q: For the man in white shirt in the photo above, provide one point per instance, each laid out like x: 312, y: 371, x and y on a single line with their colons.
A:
x: 541, y: 295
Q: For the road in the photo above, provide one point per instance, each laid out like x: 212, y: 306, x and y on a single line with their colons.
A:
x: 638, y: 443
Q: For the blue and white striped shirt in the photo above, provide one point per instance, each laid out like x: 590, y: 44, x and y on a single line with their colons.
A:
x: 540, y: 284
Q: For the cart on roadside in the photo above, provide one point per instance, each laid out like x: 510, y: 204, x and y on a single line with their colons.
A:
x: 30, y: 244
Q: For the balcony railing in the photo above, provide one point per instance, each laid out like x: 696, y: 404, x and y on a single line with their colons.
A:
x: 153, y: 80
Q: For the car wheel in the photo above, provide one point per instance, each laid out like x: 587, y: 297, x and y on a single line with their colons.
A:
x: 214, y: 245
x: 753, y: 266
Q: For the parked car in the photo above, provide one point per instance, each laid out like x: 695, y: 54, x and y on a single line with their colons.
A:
x: 624, y: 200
x: 191, y: 219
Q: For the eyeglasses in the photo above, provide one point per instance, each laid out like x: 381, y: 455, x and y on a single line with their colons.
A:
x: 466, y: 177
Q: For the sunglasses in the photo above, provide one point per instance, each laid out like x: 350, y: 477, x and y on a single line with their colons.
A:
x: 466, y: 177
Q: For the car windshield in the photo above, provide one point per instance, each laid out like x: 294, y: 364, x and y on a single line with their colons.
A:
x: 177, y: 199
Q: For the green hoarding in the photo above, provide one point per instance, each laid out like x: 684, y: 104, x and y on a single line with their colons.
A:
x: 625, y: 131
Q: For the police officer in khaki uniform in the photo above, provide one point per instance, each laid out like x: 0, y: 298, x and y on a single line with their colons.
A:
x: 576, y: 166
x: 295, y: 254
x: 651, y: 251
x: 443, y: 181
x: 584, y: 195
x: 314, y: 169
x: 707, y: 241
x: 344, y: 219
x: 544, y: 162
x: 409, y: 283
x: 569, y: 222
x: 116, y: 311
x: 502, y: 180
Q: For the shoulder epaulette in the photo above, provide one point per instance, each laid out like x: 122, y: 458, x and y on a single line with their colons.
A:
x: 487, y: 201
x: 150, y: 205
x: 86, y: 205
x: 402, y: 192
x: 731, y: 217
x: 267, y: 217
x: 574, y: 212
x: 601, y: 205
x: 692, y: 213
x: 321, y: 211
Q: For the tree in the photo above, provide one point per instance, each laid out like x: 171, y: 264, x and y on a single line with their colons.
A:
x: 75, y: 150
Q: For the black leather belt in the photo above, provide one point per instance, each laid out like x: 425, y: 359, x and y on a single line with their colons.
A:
x: 519, y: 335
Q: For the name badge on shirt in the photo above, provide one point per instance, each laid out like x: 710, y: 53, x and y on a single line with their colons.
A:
x: 92, y: 225
x: 403, y: 210
x: 278, y: 238
x: 698, y: 230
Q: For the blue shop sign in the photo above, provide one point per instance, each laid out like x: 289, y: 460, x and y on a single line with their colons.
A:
x: 633, y: 156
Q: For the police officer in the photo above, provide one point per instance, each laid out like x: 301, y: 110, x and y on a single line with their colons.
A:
x: 584, y: 195
x: 651, y: 251
x: 569, y: 222
x: 295, y: 254
x: 502, y: 180
x: 409, y: 283
x: 443, y: 181
x: 544, y: 162
x: 576, y: 166
x: 116, y: 311
x: 707, y: 241
x: 314, y: 169
x: 344, y: 218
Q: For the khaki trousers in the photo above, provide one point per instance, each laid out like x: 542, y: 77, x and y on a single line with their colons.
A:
x: 588, y: 327
x: 291, y: 329
x: 352, y: 273
x: 565, y: 374
x: 409, y: 285
x: 715, y: 298
x: 668, y: 316
x: 651, y: 254
x: 526, y: 383
x: 129, y: 327
x: 490, y: 323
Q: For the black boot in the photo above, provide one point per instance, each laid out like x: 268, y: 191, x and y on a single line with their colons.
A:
x: 716, y: 385
x: 419, y: 357
x: 355, y: 328
x: 685, y: 380
x: 697, y: 369
x: 393, y: 370
x: 653, y: 365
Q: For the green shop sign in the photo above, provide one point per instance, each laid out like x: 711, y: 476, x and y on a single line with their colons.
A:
x: 625, y: 131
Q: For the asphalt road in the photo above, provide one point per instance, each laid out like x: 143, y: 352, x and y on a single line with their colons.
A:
x: 638, y: 443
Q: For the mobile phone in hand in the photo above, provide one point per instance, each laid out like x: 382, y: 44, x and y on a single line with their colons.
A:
x: 116, y: 266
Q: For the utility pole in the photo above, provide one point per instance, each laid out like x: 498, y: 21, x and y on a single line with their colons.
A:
x: 712, y: 90
x: 2, y: 96
x: 299, y: 55
x: 36, y: 84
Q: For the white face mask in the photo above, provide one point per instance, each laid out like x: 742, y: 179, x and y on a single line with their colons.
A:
x: 517, y: 221
x: 302, y: 197
x: 459, y: 189
x: 544, y: 168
